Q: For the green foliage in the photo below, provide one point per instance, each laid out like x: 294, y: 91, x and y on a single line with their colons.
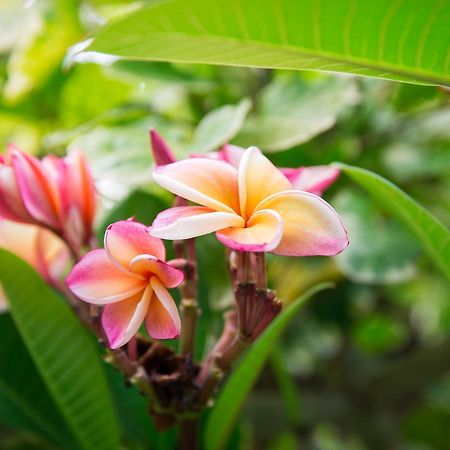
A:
x: 292, y: 111
x: 31, y: 405
x: 226, y: 410
x: 430, y: 232
x: 378, y: 38
x: 380, y: 251
x: 64, y: 354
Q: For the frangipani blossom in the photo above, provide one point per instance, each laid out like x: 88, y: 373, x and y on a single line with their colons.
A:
x: 251, y: 208
x: 39, y: 247
x: 131, y: 279
x: 313, y: 179
x: 57, y: 193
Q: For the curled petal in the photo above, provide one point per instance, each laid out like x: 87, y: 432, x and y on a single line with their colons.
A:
x: 185, y: 222
x: 310, y: 225
x: 262, y: 233
x: 37, y: 189
x: 162, y: 320
x: 205, y: 181
x: 126, y: 239
x: 161, y: 152
x: 121, y: 320
x: 96, y: 279
x: 147, y: 265
x: 258, y: 179
x: 313, y: 179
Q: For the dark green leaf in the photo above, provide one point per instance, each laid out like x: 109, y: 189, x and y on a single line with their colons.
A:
x: 64, y: 354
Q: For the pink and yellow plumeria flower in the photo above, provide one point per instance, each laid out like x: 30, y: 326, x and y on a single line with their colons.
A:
x: 251, y: 208
x: 131, y: 279
x: 39, y: 247
x: 313, y: 179
x: 57, y: 193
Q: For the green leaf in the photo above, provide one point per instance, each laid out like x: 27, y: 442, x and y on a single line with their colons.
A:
x: 380, y: 251
x: 50, y: 27
x: 64, y: 354
x: 429, y: 231
x: 226, y: 410
x: 292, y: 111
x: 379, y: 38
x: 219, y: 126
x: 24, y: 389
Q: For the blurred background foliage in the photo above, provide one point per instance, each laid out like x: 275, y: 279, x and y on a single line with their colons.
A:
x: 363, y: 366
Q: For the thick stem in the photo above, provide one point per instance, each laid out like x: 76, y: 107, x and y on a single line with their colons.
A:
x: 188, y: 434
x: 260, y: 270
x: 189, y: 315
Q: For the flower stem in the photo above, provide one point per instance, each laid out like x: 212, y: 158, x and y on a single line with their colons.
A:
x: 188, y: 434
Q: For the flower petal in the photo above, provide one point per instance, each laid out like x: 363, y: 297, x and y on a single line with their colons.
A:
x: 11, y: 204
x: 310, y: 225
x: 53, y: 253
x: 96, y: 279
x: 147, y: 265
x: 162, y: 320
x: 121, y: 320
x: 37, y: 189
x: 126, y: 239
x: 258, y: 179
x: 161, y: 152
x: 232, y: 154
x: 262, y: 233
x: 314, y: 179
x: 185, y: 222
x: 205, y: 181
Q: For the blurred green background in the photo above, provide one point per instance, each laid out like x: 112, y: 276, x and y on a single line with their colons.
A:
x: 363, y: 366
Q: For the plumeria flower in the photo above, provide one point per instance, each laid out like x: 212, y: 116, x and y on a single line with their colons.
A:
x: 251, y: 208
x: 131, y: 279
x: 40, y: 248
x: 57, y: 193
x: 314, y: 179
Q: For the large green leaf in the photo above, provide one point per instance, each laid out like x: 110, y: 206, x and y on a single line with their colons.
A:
x: 379, y: 38
x: 226, y: 410
x: 24, y: 389
x: 429, y: 231
x: 64, y: 354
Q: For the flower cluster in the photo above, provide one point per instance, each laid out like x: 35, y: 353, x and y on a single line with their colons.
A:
x: 56, y: 193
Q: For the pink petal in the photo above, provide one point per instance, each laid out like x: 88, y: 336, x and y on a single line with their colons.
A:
x: 161, y: 152
x: 232, y: 154
x: 96, y: 279
x: 310, y: 225
x: 185, y: 222
x: 121, y: 320
x: 262, y: 233
x: 162, y: 320
x: 11, y: 204
x: 126, y: 239
x: 258, y: 179
x: 37, y: 189
x: 147, y: 265
x: 314, y: 179
x: 205, y: 181
x: 81, y: 188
